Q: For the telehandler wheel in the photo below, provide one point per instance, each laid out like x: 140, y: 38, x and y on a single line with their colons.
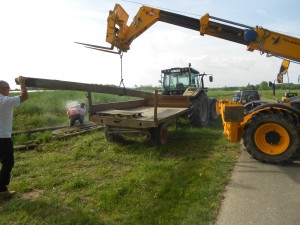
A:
x: 213, y: 116
x: 159, y: 135
x: 271, y: 136
x: 199, y: 111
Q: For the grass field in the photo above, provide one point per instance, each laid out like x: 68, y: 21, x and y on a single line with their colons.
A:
x: 87, y: 180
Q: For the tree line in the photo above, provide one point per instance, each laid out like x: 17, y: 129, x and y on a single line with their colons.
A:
x: 262, y: 86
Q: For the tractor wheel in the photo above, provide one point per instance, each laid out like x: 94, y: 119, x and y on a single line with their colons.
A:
x: 199, y: 111
x: 251, y: 98
x: 271, y: 136
x: 213, y: 116
x: 159, y: 135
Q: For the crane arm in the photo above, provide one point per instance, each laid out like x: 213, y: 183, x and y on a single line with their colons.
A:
x: 120, y: 35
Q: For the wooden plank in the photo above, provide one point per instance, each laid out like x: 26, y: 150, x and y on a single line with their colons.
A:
x: 170, y: 101
x: 162, y: 100
x: 118, y: 105
x: 120, y: 113
x: 75, y: 86
x: 147, y: 120
x: 39, y: 130
x: 123, y: 122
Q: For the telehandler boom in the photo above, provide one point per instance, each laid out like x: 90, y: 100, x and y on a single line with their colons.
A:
x: 120, y: 35
x: 270, y: 131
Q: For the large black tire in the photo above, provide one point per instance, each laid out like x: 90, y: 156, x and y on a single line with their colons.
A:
x: 251, y: 105
x: 199, y: 111
x: 272, y: 136
x: 213, y: 116
x: 251, y: 98
x: 159, y: 135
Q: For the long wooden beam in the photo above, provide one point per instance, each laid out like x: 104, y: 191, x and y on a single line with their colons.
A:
x: 75, y: 86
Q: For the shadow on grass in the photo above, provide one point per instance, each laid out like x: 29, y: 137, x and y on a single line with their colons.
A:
x: 183, y: 140
x: 38, y: 211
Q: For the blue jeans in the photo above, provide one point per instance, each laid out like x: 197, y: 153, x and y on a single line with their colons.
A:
x: 7, y: 160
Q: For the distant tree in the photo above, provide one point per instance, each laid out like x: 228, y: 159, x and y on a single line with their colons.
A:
x: 250, y: 87
x: 226, y: 88
x: 263, y: 85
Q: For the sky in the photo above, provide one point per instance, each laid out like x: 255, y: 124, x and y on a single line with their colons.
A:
x: 37, y: 40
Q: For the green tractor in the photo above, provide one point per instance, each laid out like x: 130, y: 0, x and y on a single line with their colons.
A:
x: 189, y: 82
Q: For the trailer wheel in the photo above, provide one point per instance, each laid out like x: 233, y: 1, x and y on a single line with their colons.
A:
x: 271, y: 136
x: 112, y: 136
x: 199, y: 111
x: 213, y: 116
x: 159, y: 135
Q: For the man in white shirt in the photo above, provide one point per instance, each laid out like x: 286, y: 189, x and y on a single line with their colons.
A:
x: 7, y: 104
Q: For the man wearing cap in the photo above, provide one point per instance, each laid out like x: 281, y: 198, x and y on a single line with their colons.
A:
x: 7, y: 104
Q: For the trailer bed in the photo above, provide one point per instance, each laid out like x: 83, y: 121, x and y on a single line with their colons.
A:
x: 138, y: 117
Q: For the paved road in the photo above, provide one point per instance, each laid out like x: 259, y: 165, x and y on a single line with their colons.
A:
x: 261, y: 194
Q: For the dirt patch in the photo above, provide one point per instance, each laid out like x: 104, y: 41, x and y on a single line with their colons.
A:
x: 34, y: 194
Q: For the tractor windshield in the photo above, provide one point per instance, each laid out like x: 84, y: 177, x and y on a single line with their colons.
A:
x: 173, y: 79
x: 179, y: 77
x: 176, y: 81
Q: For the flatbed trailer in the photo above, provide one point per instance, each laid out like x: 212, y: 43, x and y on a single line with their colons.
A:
x: 148, y: 116
x: 151, y: 114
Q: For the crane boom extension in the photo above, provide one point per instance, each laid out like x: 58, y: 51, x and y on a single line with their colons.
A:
x: 255, y: 38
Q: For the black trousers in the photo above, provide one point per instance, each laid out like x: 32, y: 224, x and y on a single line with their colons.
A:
x: 7, y: 160
x: 74, y: 118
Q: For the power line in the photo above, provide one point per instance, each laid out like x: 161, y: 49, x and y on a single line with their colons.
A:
x: 158, y: 7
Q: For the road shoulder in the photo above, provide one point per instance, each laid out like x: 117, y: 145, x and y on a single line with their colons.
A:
x: 261, y: 193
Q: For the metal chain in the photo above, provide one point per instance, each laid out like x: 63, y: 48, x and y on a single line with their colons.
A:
x: 122, y: 80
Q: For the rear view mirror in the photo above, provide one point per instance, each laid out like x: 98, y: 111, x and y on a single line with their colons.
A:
x: 270, y: 84
x: 284, y: 67
x: 280, y: 78
x: 210, y: 78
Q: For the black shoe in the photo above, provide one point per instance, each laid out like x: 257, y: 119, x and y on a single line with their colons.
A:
x: 3, y: 188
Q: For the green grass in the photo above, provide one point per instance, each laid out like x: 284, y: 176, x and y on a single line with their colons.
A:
x: 87, y: 180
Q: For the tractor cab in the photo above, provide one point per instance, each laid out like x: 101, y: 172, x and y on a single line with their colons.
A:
x: 176, y: 81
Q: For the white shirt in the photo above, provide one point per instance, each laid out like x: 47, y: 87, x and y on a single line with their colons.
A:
x: 82, y: 111
x: 6, y: 114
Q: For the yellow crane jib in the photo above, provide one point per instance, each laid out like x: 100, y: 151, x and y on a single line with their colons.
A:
x: 120, y: 35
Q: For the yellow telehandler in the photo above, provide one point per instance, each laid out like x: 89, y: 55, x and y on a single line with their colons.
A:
x: 270, y: 131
